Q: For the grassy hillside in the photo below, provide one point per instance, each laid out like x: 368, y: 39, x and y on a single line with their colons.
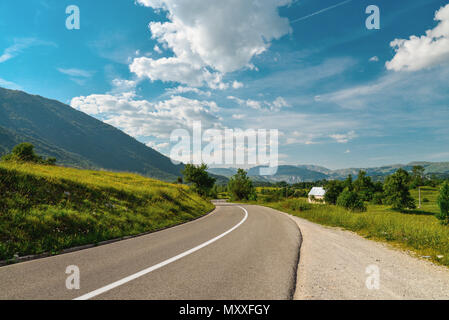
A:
x: 48, y: 208
x: 415, y: 230
x: 74, y: 138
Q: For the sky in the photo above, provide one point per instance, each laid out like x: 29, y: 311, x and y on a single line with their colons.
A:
x: 340, y: 94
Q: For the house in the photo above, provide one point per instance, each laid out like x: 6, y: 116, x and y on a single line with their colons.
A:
x: 316, y: 195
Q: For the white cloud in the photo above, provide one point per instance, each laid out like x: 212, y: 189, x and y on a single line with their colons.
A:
x: 76, y: 72
x: 238, y: 116
x: 181, y: 90
x: 425, y: 51
x: 374, y: 59
x: 275, y: 105
x: 210, y: 38
x: 141, y: 118
x: 237, y: 85
x: 344, y: 138
x: 9, y: 85
x: 157, y: 49
x: 20, y: 45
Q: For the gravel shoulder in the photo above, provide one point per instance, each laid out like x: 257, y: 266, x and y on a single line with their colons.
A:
x: 333, y: 266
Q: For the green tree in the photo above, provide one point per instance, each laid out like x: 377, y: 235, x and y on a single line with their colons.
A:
x: 418, y: 176
x: 198, y: 176
x: 443, y: 203
x: 364, y: 186
x: 397, y: 193
x: 348, y: 182
x: 333, y: 189
x: 240, y: 187
x: 24, y: 152
x: 350, y: 200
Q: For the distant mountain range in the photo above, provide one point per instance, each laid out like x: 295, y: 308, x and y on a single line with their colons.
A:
x: 308, y: 173
x: 74, y: 138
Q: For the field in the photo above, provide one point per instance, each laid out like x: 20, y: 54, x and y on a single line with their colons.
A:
x: 415, y: 230
x: 50, y: 208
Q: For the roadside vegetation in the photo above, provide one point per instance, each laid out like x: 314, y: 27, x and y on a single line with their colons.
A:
x: 387, y: 211
x: 46, y: 208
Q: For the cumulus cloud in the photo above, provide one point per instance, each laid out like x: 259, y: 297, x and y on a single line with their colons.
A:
x: 210, y: 38
x: 425, y: 51
x: 141, y: 118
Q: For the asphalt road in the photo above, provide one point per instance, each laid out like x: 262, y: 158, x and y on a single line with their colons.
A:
x: 234, y: 253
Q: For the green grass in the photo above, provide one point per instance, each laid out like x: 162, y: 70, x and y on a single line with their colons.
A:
x: 50, y: 208
x: 416, y: 230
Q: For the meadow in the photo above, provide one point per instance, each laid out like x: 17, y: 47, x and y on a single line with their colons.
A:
x: 415, y: 230
x: 50, y: 208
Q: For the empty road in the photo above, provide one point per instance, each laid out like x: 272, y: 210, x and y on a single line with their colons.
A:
x: 236, y: 252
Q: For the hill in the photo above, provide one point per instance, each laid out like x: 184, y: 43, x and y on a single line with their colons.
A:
x: 50, y: 208
x: 74, y: 138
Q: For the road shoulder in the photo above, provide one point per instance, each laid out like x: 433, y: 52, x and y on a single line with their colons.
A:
x: 336, y: 264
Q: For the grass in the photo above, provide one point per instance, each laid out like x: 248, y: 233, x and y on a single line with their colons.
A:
x: 415, y: 230
x: 50, y: 208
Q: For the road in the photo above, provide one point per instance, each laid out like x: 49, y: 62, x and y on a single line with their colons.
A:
x: 234, y: 253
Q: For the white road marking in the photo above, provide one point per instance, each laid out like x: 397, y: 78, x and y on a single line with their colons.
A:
x: 159, y: 265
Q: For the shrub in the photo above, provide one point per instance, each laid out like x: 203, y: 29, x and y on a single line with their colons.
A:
x: 397, y: 191
x: 198, y: 176
x: 240, y: 187
x: 24, y: 152
x: 443, y: 203
x: 378, y: 198
x: 350, y: 200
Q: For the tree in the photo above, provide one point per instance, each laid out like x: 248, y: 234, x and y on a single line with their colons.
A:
x: 198, y: 176
x: 443, y: 203
x: 350, y: 200
x: 348, y: 182
x: 417, y: 176
x: 24, y: 152
x: 240, y: 187
x: 397, y: 193
x: 333, y: 190
x: 364, y: 186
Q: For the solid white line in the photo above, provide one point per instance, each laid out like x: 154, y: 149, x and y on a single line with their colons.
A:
x: 159, y: 265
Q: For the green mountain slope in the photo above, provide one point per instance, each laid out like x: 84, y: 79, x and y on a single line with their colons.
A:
x: 74, y: 138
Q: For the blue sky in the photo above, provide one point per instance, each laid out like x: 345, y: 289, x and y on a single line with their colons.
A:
x: 340, y: 94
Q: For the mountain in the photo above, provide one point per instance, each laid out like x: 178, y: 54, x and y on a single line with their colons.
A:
x: 225, y: 172
x: 290, y: 174
x: 309, y: 173
x: 74, y: 138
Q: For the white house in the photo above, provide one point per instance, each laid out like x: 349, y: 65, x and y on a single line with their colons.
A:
x: 316, y: 195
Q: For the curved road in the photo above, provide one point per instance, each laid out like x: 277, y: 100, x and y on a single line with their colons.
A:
x: 234, y: 253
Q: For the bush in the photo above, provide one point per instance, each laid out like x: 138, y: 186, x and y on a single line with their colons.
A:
x: 351, y: 201
x: 240, y: 187
x: 24, y: 152
x: 198, y: 176
x: 333, y: 190
x: 443, y: 203
x: 378, y: 198
x: 397, y: 191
